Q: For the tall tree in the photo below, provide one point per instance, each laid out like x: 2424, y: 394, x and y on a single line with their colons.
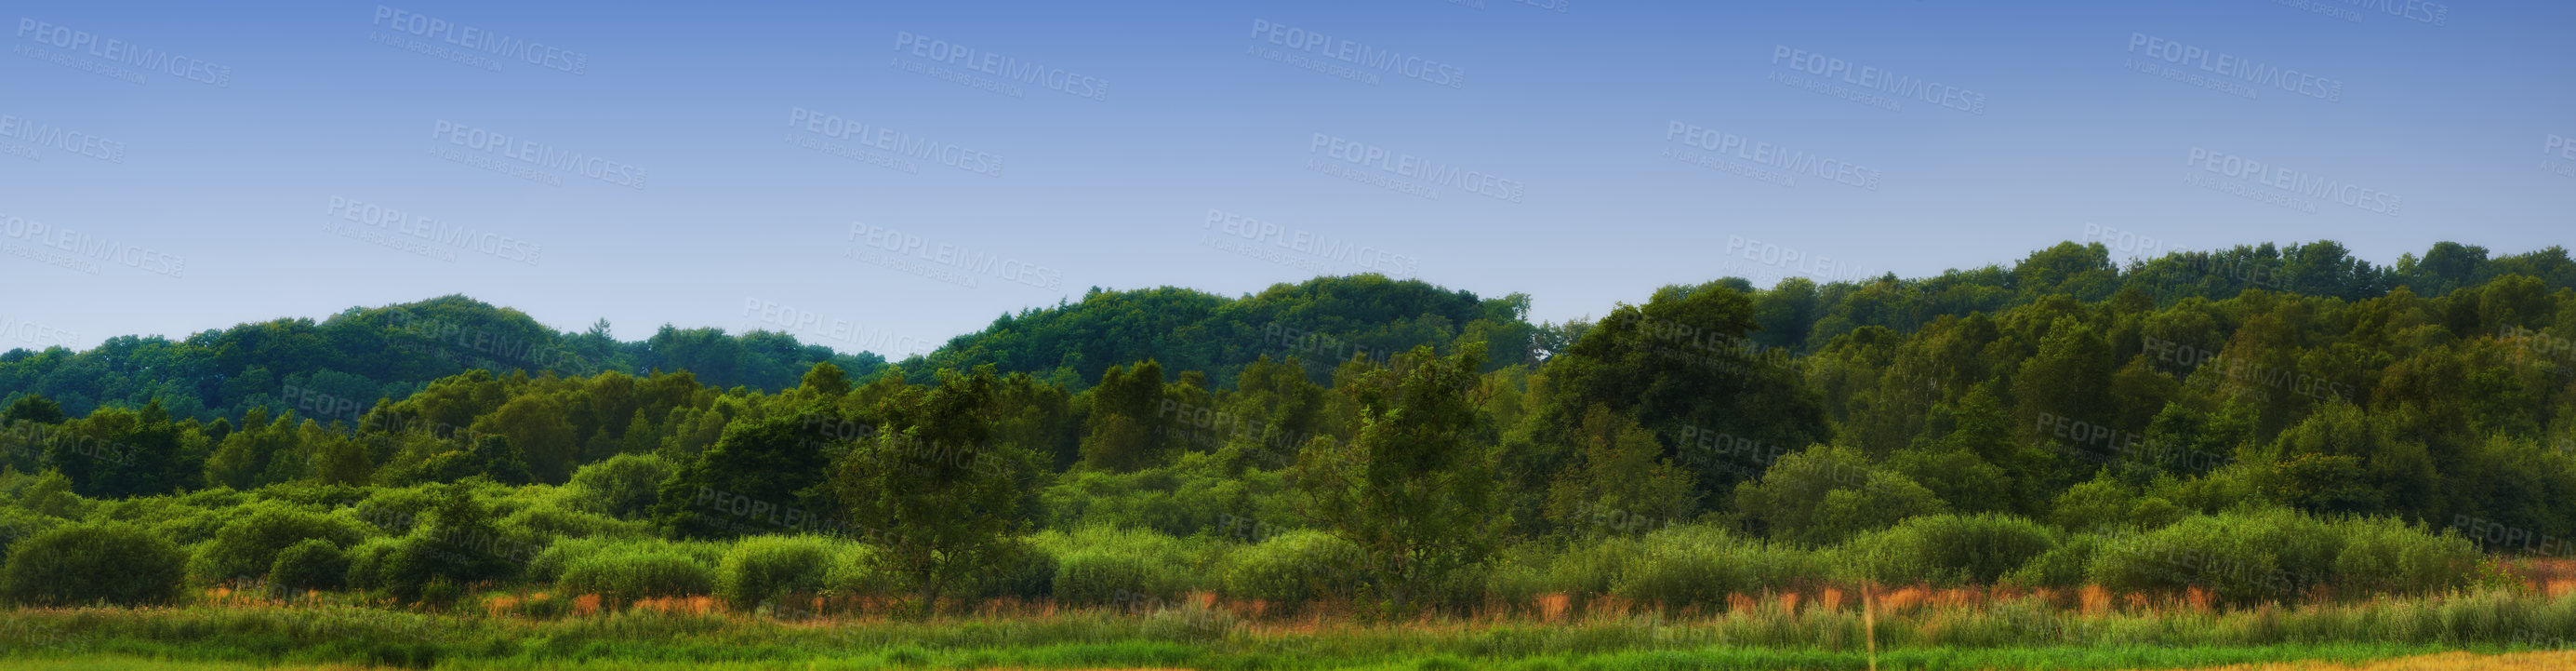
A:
x: 932, y: 492
x: 1416, y: 489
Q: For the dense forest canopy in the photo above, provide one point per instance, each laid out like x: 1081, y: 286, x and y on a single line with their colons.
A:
x: 2069, y: 402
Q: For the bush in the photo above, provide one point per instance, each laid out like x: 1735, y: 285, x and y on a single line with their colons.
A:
x: 1947, y: 550
x: 1097, y: 567
x: 2384, y: 556
x: 549, y: 564
x: 245, y: 548
x: 1030, y: 574
x: 1679, y: 567
x: 2061, y: 567
x: 314, y: 564
x: 550, y: 521
x: 17, y: 525
x: 762, y: 568
x: 2244, y: 557
x: 625, y: 486
x: 81, y: 564
x: 625, y: 576
x: 1292, y: 569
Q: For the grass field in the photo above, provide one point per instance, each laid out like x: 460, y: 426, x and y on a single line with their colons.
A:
x: 2505, y: 630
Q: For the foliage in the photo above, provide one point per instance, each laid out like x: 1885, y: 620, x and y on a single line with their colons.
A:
x: 81, y: 564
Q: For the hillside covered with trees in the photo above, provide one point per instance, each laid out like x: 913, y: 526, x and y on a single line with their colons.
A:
x: 2314, y: 425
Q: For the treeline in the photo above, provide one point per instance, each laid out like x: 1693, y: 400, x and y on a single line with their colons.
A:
x: 2072, y: 435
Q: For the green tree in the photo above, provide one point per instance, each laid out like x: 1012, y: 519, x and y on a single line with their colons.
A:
x: 1619, y: 483
x: 1127, y: 419
x: 939, y: 499
x: 1416, y: 490
x: 762, y: 476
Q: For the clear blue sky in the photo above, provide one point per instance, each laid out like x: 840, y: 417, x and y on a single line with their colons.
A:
x: 1583, y: 156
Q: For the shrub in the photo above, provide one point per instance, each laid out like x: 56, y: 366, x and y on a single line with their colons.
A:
x: 314, y: 564
x: 625, y: 576
x: 2384, y: 556
x: 245, y: 548
x: 1029, y: 574
x: 625, y: 486
x: 2243, y: 557
x: 765, y: 567
x: 17, y: 525
x: 1828, y: 493
x: 550, y: 521
x: 1700, y: 565
x: 854, y: 572
x: 1103, y: 567
x: 1293, y: 568
x: 1947, y: 550
x: 81, y: 564
x: 548, y: 565
x: 2063, y: 566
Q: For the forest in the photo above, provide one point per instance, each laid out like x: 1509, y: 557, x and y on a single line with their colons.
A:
x: 2278, y: 432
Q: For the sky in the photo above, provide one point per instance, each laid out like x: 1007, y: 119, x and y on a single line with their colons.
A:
x: 882, y: 176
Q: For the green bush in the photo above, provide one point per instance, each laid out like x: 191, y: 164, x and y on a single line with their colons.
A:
x: 2243, y: 557
x: 17, y: 525
x: 548, y: 565
x: 246, y: 547
x: 1947, y: 550
x: 1097, y: 567
x: 1192, y: 495
x: 2385, y: 556
x: 621, y: 577
x: 762, y: 568
x: 1030, y: 574
x: 625, y: 486
x: 1292, y: 569
x: 2061, y: 567
x: 1700, y: 565
x: 314, y: 564
x: 110, y: 562
x: 547, y: 521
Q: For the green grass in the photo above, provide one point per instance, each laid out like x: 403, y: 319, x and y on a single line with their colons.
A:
x: 2005, y: 636
x: 1119, y: 656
